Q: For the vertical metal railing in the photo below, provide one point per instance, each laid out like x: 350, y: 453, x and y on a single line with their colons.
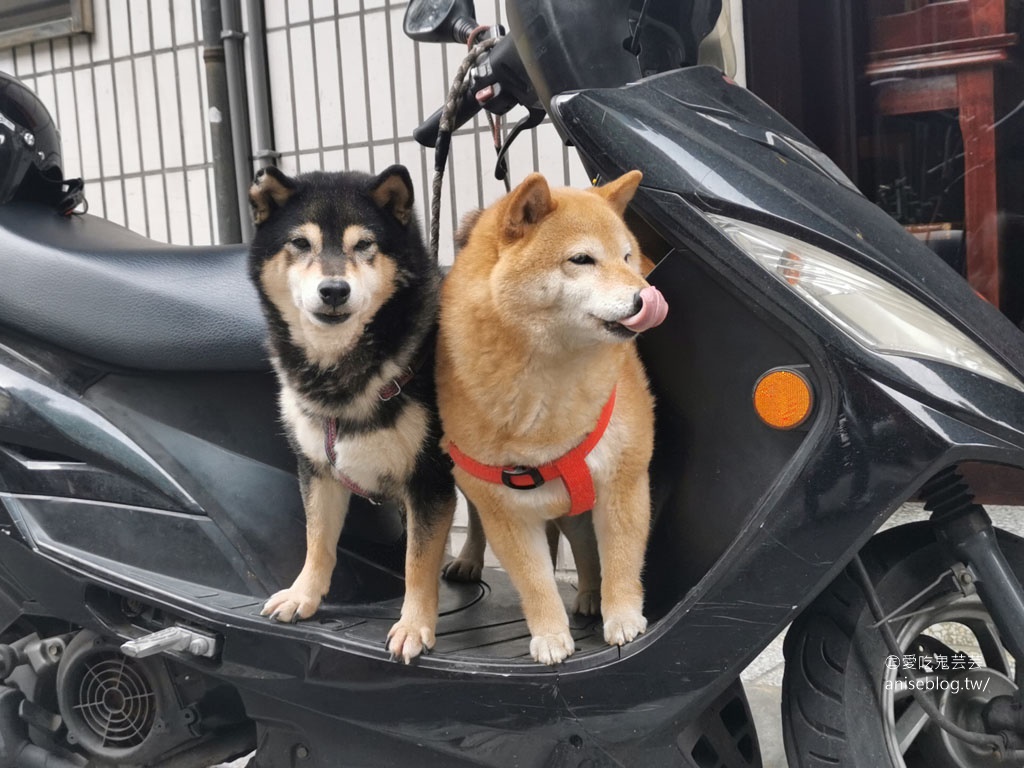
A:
x: 129, y: 102
x: 346, y: 88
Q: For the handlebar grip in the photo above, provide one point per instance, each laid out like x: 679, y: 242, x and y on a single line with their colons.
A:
x: 426, y: 132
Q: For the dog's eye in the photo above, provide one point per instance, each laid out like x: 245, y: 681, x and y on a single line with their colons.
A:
x: 627, y: 257
x: 364, y: 245
x: 582, y: 258
x: 300, y: 243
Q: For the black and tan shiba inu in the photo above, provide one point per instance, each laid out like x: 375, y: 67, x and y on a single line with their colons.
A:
x: 350, y: 295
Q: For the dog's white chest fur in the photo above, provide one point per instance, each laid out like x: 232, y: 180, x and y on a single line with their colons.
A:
x: 365, y: 457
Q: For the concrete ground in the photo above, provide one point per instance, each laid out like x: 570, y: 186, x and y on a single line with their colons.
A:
x: 763, y: 683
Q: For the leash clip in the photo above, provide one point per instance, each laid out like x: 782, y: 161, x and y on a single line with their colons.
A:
x: 510, y: 475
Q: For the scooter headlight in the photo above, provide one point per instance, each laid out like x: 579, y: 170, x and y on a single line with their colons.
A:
x: 874, y: 313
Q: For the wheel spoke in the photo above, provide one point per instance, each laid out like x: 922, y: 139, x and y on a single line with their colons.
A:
x: 910, y: 724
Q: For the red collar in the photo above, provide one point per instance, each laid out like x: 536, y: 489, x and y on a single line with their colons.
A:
x: 571, y: 468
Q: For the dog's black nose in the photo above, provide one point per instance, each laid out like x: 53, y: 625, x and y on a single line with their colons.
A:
x: 334, y: 293
x: 638, y: 303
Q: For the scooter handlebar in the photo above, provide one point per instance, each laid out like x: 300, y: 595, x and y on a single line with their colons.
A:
x: 426, y: 132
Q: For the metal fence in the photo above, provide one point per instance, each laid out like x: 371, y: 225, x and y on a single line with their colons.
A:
x: 129, y: 100
x: 346, y: 90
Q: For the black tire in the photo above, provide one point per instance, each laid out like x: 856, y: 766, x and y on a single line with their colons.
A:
x: 832, y: 690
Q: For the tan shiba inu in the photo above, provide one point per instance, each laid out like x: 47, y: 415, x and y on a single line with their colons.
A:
x: 544, y: 402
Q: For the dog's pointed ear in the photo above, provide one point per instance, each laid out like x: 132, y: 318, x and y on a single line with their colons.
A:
x: 619, y: 192
x: 527, y: 204
x: 465, y: 228
x: 270, y: 189
x: 392, y: 191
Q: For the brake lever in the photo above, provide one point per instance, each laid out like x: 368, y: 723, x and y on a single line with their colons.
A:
x: 533, y: 118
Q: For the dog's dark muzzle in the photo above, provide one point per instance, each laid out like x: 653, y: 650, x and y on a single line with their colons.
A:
x: 334, y: 293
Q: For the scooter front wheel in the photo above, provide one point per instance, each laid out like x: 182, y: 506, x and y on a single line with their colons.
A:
x: 844, y: 698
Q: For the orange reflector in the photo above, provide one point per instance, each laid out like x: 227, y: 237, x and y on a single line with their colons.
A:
x: 783, y: 399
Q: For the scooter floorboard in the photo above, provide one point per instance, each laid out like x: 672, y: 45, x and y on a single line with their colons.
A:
x: 478, y: 622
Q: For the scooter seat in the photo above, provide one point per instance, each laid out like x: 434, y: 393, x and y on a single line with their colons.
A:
x: 99, y: 290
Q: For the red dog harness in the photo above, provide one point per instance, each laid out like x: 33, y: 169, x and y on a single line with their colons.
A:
x: 571, y: 468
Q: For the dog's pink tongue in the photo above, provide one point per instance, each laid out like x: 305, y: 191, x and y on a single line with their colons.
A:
x: 652, y: 313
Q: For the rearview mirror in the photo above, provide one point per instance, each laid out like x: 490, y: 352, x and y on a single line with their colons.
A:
x: 440, y: 21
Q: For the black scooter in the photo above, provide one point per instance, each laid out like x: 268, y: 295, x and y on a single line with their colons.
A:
x: 818, y: 368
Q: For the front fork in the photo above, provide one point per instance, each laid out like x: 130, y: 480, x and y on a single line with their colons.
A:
x: 965, y: 529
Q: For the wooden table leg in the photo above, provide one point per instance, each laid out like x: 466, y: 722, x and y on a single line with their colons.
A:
x: 976, y: 89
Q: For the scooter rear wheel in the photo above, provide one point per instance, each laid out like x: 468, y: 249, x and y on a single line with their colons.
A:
x: 842, y: 703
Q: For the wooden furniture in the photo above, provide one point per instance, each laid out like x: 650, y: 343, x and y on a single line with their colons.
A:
x: 940, y: 56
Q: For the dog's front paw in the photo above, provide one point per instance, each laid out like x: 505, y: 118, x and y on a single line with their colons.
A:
x: 463, y: 569
x: 623, y: 627
x: 552, y: 649
x: 408, y: 639
x: 290, y: 605
x: 587, y: 603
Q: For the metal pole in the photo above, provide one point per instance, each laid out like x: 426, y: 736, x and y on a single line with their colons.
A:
x: 263, y: 133
x: 231, y: 34
x: 218, y: 114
